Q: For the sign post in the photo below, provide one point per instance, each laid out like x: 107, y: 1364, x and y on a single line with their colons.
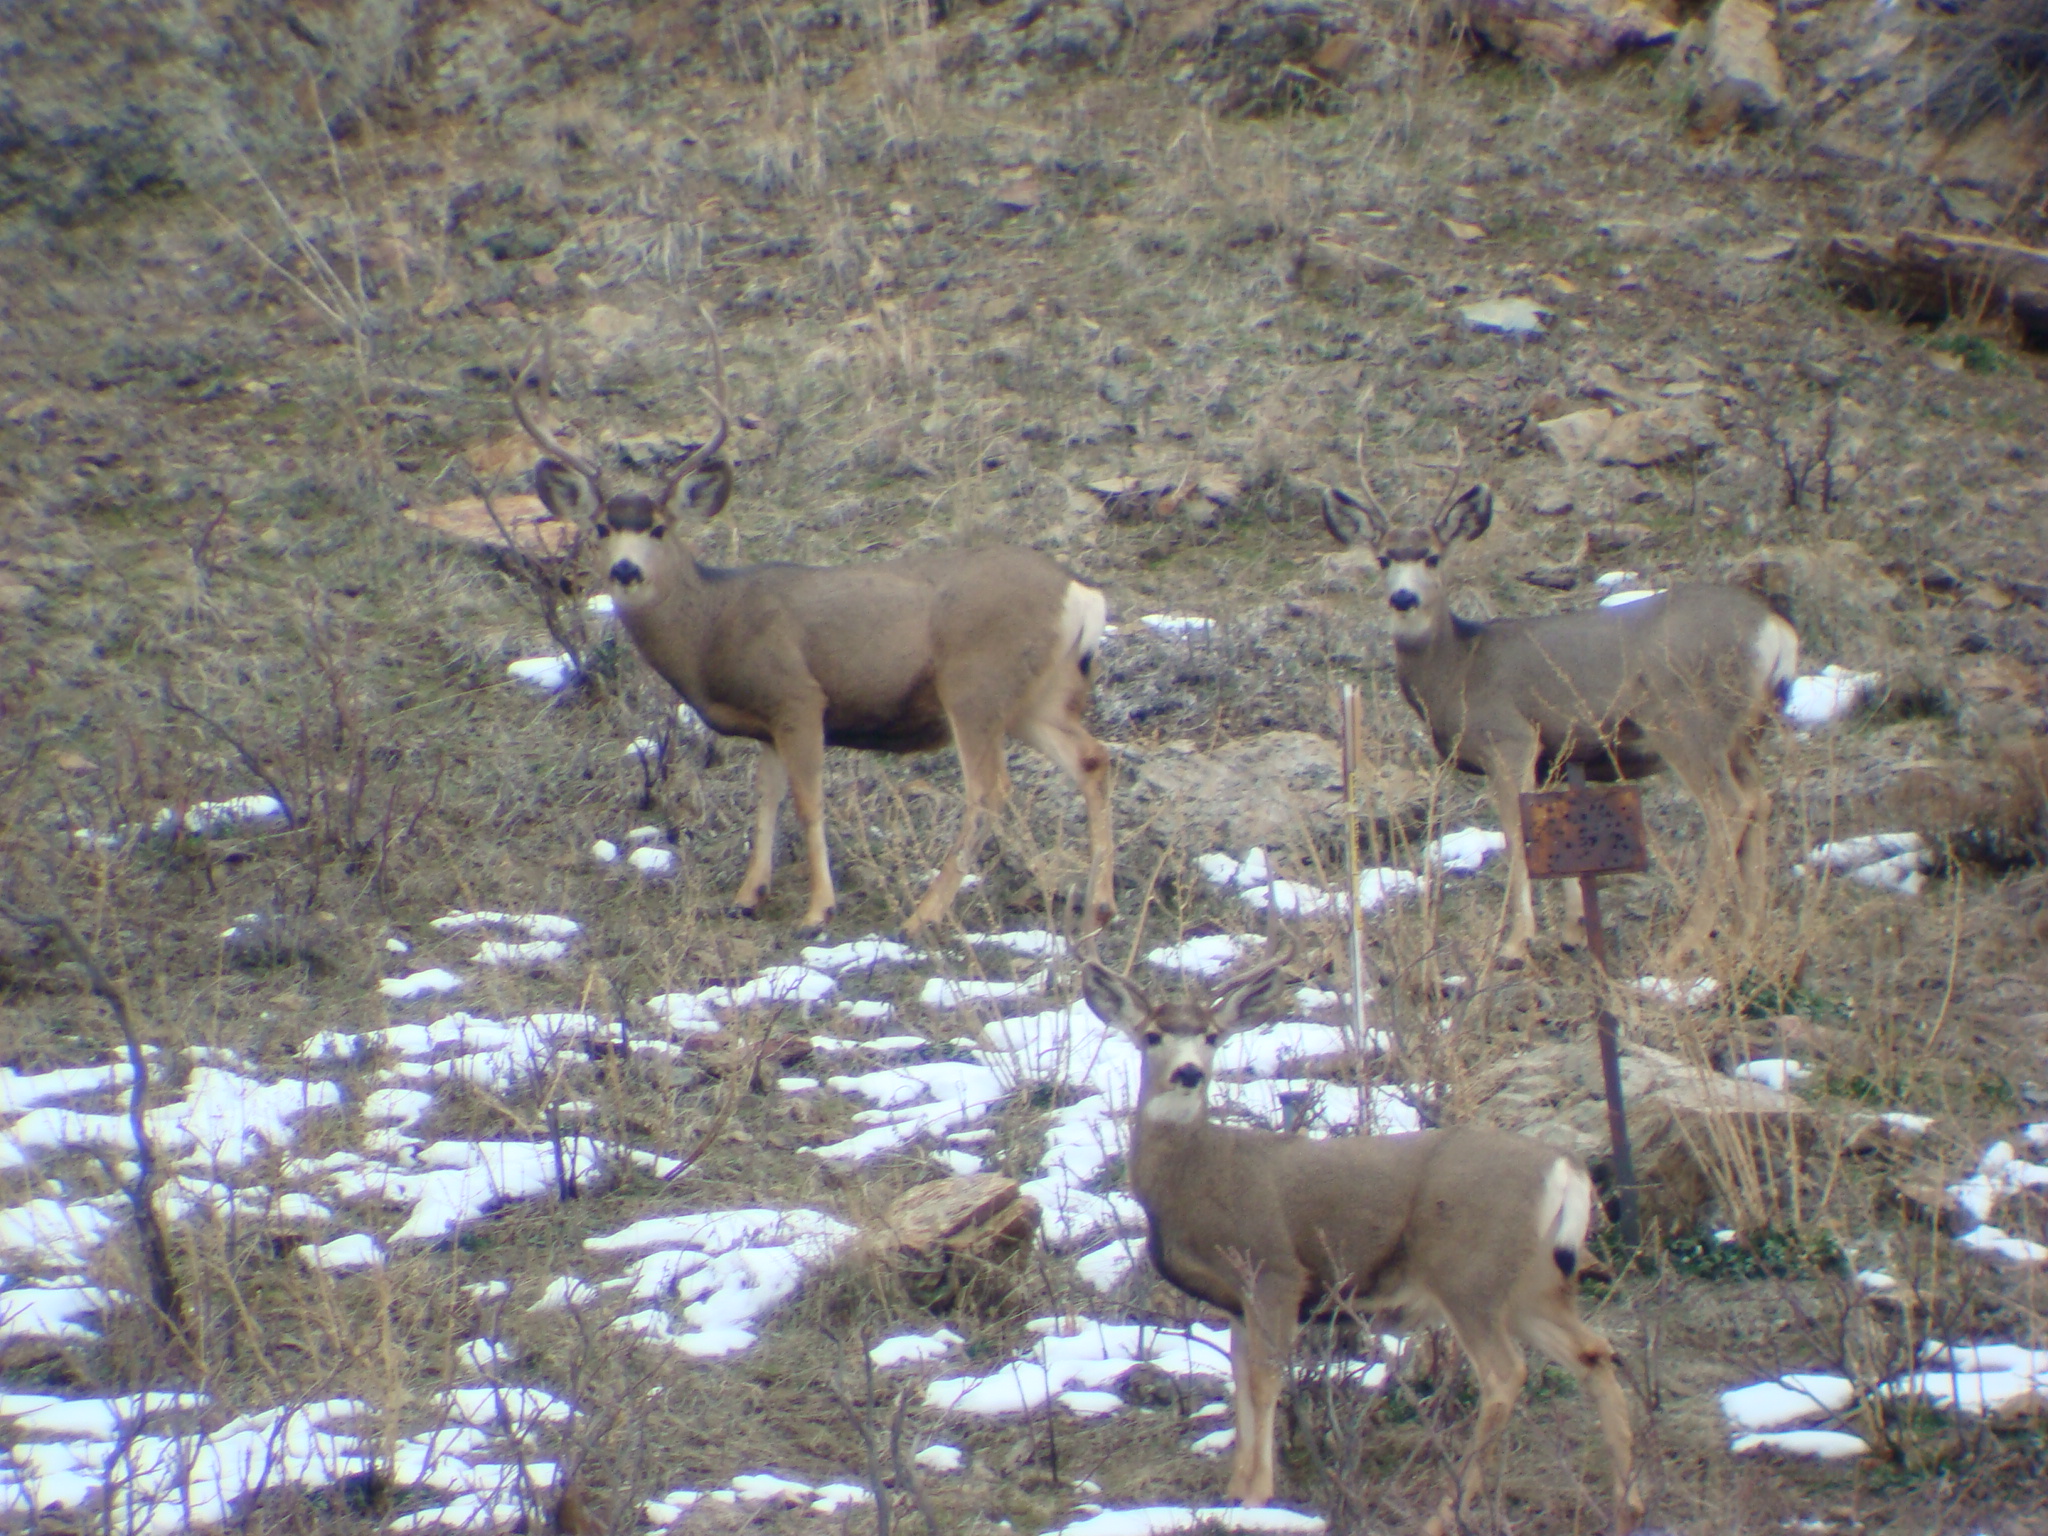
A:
x: 1582, y: 832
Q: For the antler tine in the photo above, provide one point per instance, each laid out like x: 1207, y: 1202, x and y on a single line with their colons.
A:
x: 541, y: 435
x: 706, y: 451
x: 1365, y: 480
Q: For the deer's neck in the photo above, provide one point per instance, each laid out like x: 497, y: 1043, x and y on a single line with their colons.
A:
x: 1164, y: 1142
x: 1432, y: 666
x: 673, y: 626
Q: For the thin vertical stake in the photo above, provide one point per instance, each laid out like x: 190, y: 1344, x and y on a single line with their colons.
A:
x: 1609, y: 1029
x: 1351, y: 723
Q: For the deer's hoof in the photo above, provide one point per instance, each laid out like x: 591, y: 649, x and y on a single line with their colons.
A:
x: 741, y: 909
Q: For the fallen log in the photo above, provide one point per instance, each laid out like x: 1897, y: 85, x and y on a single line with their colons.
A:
x: 1926, y: 275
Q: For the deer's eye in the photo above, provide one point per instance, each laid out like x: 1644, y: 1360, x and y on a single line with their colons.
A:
x: 1153, y: 1037
x: 661, y: 528
x: 1385, y: 561
x: 603, y: 532
x: 1430, y: 561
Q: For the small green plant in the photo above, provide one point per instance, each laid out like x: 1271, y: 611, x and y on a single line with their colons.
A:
x: 1769, y: 1254
x: 1979, y: 353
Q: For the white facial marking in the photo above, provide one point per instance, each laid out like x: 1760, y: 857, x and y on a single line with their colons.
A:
x: 643, y: 553
x: 1171, y: 1103
x: 1416, y: 580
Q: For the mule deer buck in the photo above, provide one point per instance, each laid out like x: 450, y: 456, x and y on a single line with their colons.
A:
x: 1689, y: 677
x: 1471, y: 1226
x: 973, y: 647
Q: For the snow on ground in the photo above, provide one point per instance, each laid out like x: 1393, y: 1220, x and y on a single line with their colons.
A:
x: 1834, y: 693
x: 1162, y: 1520
x: 137, y: 1464
x: 758, y: 1488
x: 726, y: 1270
x: 1969, y: 1380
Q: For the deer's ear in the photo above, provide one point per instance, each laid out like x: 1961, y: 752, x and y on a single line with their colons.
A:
x: 1113, y: 999
x: 709, y: 489
x: 1467, y: 517
x: 1251, y: 999
x: 564, y: 492
x: 1350, y: 520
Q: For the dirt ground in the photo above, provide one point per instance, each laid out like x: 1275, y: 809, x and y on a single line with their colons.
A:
x: 982, y: 280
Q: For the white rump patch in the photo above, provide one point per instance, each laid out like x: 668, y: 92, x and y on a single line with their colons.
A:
x: 1083, y: 617
x: 1776, y: 648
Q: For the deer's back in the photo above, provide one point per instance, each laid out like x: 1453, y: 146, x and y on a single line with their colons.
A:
x: 867, y: 644
x: 1602, y: 678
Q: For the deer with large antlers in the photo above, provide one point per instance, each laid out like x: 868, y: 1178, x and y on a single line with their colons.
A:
x: 974, y: 647
x: 1688, y: 678
x: 1469, y: 1226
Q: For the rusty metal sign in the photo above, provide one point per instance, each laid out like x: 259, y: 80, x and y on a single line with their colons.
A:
x: 1587, y: 830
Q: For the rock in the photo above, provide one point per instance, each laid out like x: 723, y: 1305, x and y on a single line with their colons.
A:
x: 528, y: 526
x: 1333, y: 269
x: 945, y: 1236
x: 1692, y: 1130
x: 1576, y: 437
x: 1925, y: 1200
x: 1260, y: 56
x: 1274, y: 790
x: 1612, y: 538
x: 1662, y: 435
x: 1744, y: 79
x: 607, y: 323
x: 1551, y: 501
x: 1569, y: 34
x: 1780, y: 246
x: 1462, y: 232
x: 1506, y: 317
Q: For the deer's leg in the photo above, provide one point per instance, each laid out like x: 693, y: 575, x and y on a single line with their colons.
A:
x: 1498, y: 1364
x: 1085, y: 760
x: 802, y: 750
x: 771, y: 783
x: 988, y: 786
x: 1721, y: 799
x: 1752, y: 871
x: 1588, y: 1356
x: 1261, y: 1343
x: 1510, y: 772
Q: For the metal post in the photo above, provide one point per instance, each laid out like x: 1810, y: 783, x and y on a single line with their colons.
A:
x: 1609, y: 1029
x: 1350, y: 728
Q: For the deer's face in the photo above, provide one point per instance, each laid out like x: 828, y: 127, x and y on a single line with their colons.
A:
x: 1411, y: 562
x: 634, y: 539
x: 638, y: 546
x: 1179, y: 1040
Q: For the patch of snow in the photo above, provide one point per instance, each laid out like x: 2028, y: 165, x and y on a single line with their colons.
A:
x: 549, y: 674
x: 1696, y: 993
x: 652, y: 863
x: 19, y: 1092
x: 1163, y: 1520
x: 947, y: 992
x: 1789, y: 1400
x: 1033, y: 942
x: 1821, y: 1444
x: 940, y: 1458
x: 1830, y: 695
x: 1209, y: 955
x: 604, y: 852
x: 431, y: 983
x: 862, y: 953
x: 777, y: 984
x: 357, y: 1251
x: 1464, y: 851
x: 1777, y: 1072
x: 242, y: 813
x: 1215, y: 1443
x: 521, y: 952
x: 914, y: 1348
x: 1176, y: 624
x: 1623, y: 599
x: 535, y: 925
x: 646, y: 833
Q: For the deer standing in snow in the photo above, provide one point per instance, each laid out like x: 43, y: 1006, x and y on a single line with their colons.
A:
x: 1475, y: 1227
x: 973, y: 647
x: 1690, y: 678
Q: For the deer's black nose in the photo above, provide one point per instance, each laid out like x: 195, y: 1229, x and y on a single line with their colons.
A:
x: 625, y: 573
x: 1402, y: 600
x: 1188, y: 1076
